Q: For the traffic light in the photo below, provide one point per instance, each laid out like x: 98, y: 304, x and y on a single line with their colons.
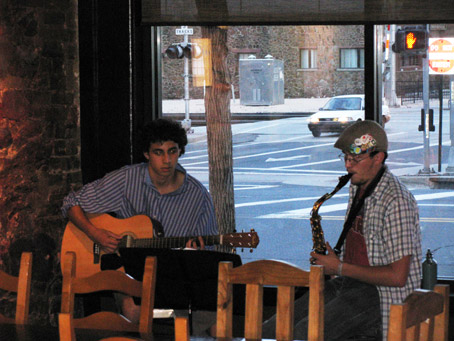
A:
x: 180, y: 50
x: 411, y: 41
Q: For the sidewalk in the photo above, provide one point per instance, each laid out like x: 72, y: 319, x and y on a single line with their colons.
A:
x: 197, y: 106
x: 291, y: 105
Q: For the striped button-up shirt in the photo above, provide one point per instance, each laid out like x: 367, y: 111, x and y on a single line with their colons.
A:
x: 392, y: 231
x: 128, y: 191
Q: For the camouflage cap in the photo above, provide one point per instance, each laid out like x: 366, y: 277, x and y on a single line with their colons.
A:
x: 363, y: 137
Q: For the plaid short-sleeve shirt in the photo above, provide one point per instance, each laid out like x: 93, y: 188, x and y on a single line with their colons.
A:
x: 392, y: 231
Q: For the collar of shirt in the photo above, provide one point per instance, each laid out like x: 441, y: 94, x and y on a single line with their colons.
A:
x: 148, y: 182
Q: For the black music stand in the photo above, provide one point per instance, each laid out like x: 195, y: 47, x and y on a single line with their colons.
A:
x: 186, y: 279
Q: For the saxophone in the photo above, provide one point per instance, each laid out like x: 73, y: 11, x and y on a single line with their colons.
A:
x: 318, y: 238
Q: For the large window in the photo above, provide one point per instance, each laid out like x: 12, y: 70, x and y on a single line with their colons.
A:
x: 279, y: 168
x: 352, y: 58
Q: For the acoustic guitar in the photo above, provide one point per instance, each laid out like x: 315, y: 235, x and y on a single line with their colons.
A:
x: 137, y: 231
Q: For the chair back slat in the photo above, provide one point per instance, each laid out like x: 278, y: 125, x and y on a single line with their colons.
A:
x: 254, y: 311
x: 285, y: 312
x: 442, y: 320
x: 22, y: 286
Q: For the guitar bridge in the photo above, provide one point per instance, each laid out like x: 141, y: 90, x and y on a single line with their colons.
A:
x: 96, y: 253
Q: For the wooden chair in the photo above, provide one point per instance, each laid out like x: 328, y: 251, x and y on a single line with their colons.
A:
x: 67, y: 331
x: 107, y: 280
x: 21, y: 285
x: 269, y: 272
x: 181, y: 328
x: 424, y: 315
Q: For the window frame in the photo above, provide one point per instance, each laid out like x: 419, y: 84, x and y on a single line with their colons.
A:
x: 312, y: 56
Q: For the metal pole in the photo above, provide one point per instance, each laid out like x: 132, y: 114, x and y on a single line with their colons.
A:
x: 450, y: 168
x: 440, y: 124
x: 425, y: 96
x: 392, y: 97
x: 187, y: 121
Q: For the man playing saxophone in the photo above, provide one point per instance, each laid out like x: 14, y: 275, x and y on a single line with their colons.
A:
x: 378, y: 256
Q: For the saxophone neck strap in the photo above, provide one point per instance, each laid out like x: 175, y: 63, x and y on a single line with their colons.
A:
x: 357, y: 204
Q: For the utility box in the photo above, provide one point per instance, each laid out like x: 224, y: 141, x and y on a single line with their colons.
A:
x: 261, y: 81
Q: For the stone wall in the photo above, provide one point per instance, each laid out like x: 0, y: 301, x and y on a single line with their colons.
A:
x: 283, y: 43
x: 39, y: 137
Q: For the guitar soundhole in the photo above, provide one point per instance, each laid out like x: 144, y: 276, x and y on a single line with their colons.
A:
x: 127, y: 241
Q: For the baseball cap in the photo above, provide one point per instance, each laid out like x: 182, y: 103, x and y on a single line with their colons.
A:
x: 363, y: 137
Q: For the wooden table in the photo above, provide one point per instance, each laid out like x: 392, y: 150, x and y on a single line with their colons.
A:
x: 29, y: 332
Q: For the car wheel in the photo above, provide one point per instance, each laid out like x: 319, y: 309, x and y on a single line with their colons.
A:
x: 316, y: 133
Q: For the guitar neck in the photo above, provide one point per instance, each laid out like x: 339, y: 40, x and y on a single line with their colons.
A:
x: 168, y: 242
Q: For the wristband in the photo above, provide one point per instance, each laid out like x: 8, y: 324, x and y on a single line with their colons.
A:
x: 339, y: 269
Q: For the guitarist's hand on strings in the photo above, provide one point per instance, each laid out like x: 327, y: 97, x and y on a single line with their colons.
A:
x: 108, y: 241
x: 330, y: 261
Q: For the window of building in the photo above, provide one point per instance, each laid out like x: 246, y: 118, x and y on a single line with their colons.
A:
x: 352, y: 58
x: 280, y: 169
x: 308, y: 58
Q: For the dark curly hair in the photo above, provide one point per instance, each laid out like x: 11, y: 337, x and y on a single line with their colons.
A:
x: 162, y: 130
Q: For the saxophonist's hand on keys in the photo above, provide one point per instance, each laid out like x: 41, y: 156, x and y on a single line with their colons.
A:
x: 330, y: 261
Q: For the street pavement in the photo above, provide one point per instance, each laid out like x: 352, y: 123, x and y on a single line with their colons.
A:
x: 297, y: 105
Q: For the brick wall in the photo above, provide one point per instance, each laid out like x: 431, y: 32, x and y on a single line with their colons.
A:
x: 39, y: 136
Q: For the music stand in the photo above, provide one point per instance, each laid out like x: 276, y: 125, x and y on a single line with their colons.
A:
x: 186, y: 279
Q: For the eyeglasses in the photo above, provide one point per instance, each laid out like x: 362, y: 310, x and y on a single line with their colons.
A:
x: 354, y: 160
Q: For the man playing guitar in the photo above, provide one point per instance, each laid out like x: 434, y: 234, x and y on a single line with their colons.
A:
x: 159, y: 188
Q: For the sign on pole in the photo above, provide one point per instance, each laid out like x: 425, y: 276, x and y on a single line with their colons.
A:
x: 184, y: 30
x: 441, y: 56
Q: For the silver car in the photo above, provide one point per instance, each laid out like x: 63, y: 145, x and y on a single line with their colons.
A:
x: 340, y: 112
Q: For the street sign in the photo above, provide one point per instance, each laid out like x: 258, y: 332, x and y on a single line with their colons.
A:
x: 441, y: 56
x: 184, y: 30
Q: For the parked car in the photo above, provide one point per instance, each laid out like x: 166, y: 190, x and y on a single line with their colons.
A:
x: 340, y: 112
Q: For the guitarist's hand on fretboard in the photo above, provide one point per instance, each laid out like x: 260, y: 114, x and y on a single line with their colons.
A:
x: 194, y: 243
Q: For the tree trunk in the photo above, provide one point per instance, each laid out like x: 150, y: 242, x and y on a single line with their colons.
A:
x: 219, y: 131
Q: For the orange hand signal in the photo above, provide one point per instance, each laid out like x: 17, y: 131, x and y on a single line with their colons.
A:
x: 411, y: 40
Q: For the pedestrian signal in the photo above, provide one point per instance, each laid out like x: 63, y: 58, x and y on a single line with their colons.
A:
x: 411, y: 41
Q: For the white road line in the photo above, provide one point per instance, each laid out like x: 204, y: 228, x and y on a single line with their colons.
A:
x: 261, y: 154
x: 243, y: 187
x: 270, y: 202
x: 256, y: 128
x: 290, y: 158
x: 305, y: 212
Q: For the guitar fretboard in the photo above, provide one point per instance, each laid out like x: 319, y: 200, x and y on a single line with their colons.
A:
x: 167, y: 242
